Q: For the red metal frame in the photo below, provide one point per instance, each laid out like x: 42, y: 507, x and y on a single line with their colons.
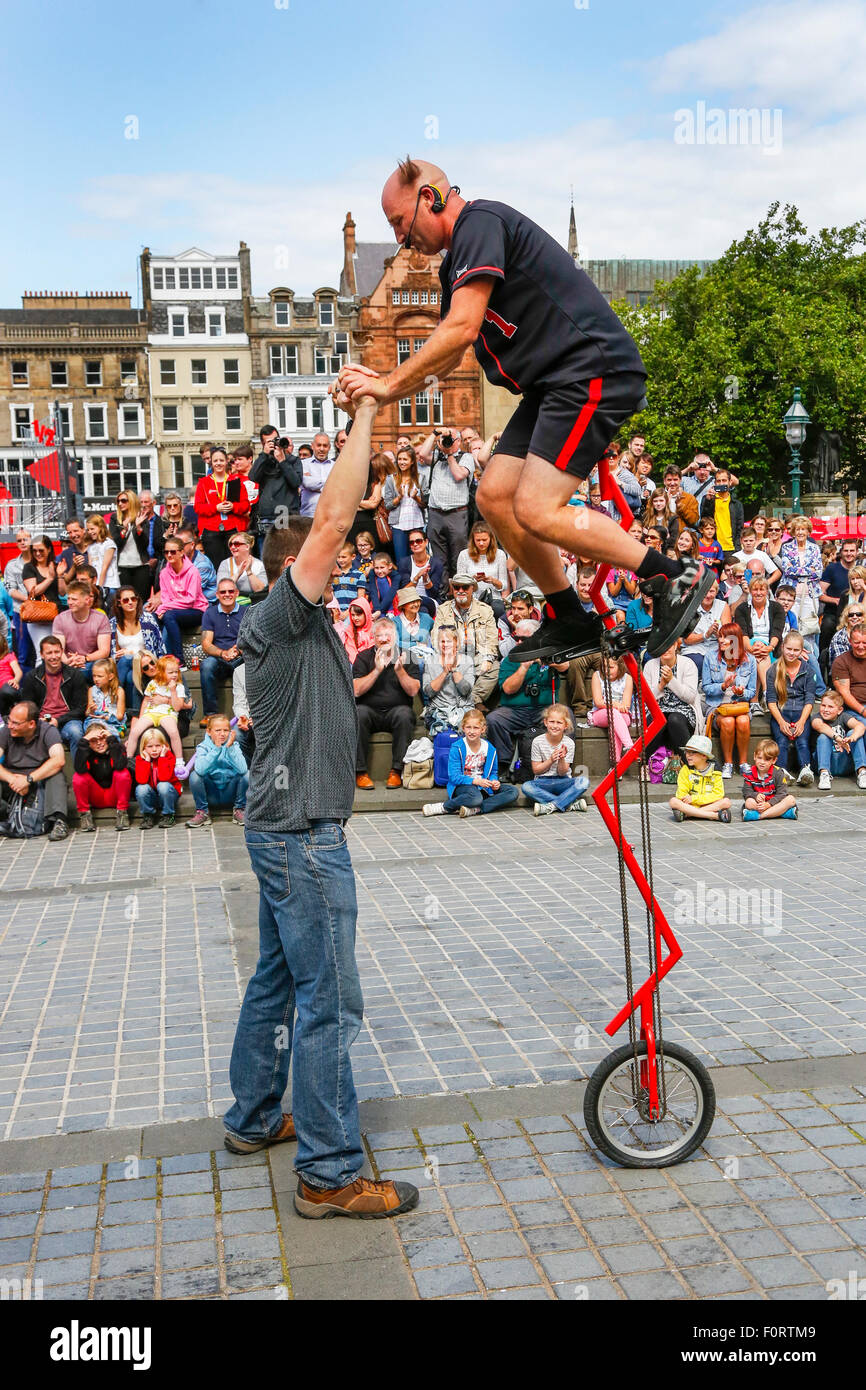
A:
x: 653, y: 723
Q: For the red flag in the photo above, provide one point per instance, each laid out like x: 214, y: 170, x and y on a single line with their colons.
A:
x: 46, y: 471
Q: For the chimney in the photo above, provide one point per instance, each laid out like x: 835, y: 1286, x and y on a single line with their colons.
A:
x: 348, y: 285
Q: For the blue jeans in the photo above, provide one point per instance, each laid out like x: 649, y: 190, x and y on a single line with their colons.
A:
x: 474, y: 796
x: 400, y: 542
x: 212, y: 670
x: 153, y: 801
x: 504, y: 722
x: 303, y: 1005
x: 174, y: 622
x: 839, y: 764
x: 204, y: 793
x: 801, y: 744
x: 72, y: 734
x: 124, y: 675
x: 27, y: 657
x: 562, y: 791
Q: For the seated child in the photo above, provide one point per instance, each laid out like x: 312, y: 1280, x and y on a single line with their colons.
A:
x: 156, y: 786
x: 101, y: 777
x: 552, y: 786
x: 347, y: 577
x: 841, y: 747
x: 365, y: 544
x: 791, y: 699
x: 381, y: 587
x: 219, y: 774
x: 700, y: 790
x: 473, y: 783
x: 164, y: 698
x: 10, y: 678
x: 764, y: 797
x: 621, y: 687
x: 106, y: 699
x: 709, y: 549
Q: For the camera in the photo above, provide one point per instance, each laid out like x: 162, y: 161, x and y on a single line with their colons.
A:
x: 446, y: 441
x: 532, y: 689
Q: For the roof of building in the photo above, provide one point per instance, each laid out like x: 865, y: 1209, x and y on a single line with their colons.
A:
x: 47, y: 317
x: 370, y: 257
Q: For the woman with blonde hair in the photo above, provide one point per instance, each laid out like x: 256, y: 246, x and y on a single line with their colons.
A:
x: 856, y: 589
x: 853, y: 616
x: 172, y: 515
x: 791, y: 699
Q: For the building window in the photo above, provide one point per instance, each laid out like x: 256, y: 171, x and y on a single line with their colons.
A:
x: 22, y: 421
x: 183, y: 277
x: 169, y: 277
x: 110, y: 473
x: 417, y: 344
x: 434, y: 296
x: 284, y: 360
x: 395, y: 296
x: 216, y: 326
x: 206, y: 278
x: 130, y: 424
x: 326, y: 313
x: 65, y: 413
x: 20, y: 374
x: 93, y: 374
x: 177, y: 323
x: 197, y: 467
x: 231, y: 371
x: 128, y: 371
x: 156, y: 277
x: 437, y: 408
x: 167, y: 375
x: 281, y: 313
x: 320, y: 361
x: 200, y: 418
x: 404, y: 296
x: 415, y: 297
x: 178, y: 478
x: 198, y: 368
x: 291, y: 365
x: 406, y: 411
x: 282, y: 420
x: 233, y: 419
x: 169, y: 419
x: 59, y: 374
x: 422, y: 408
x: 424, y: 297
x: 95, y: 422
x: 402, y: 350
x: 231, y: 278
x: 341, y: 344
x: 301, y: 412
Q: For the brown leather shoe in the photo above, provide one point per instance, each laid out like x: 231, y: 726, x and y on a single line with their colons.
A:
x: 364, y: 782
x: 394, y: 779
x: 286, y: 1134
x: 363, y: 1199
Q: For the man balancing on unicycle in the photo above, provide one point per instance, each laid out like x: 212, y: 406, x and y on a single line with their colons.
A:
x: 540, y: 328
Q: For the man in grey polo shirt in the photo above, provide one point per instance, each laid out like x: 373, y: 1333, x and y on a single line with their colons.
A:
x: 448, y: 506
x: 304, y: 1001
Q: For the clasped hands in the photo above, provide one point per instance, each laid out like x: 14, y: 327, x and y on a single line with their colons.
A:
x: 354, y: 382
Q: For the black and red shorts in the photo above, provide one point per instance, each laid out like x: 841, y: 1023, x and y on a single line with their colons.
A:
x: 571, y: 426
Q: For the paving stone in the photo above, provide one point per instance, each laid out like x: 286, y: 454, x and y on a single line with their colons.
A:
x: 589, y: 1291
x: 783, y: 1269
x: 657, y: 1286
x: 760, y: 1241
x: 66, y: 1271
x: 250, y: 1247
x: 709, y: 1281
x: 118, y: 1262
x: 127, y: 1237
x: 448, y: 1279
x: 570, y: 1265
x: 196, y: 1283
x: 495, y: 1245
x: 630, y: 1259
x: 478, y: 1219
x: 502, y: 1274
x: 424, y: 1253
x: 817, y: 1237
x: 132, y: 1290
x: 625, y: 1231
x: 236, y: 1223
x: 52, y: 1247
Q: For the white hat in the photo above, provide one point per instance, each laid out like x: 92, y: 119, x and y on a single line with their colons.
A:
x: 699, y: 743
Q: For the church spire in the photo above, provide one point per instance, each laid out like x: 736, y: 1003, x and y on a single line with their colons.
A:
x: 572, y: 234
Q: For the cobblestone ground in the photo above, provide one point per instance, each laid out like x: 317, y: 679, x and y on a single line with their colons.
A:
x: 491, y: 959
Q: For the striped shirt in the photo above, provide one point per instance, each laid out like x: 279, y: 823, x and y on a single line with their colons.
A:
x: 445, y: 492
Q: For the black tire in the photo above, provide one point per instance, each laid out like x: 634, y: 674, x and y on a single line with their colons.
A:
x: 681, y: 1068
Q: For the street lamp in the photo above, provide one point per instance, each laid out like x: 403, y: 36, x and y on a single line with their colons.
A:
x: 796, y: 422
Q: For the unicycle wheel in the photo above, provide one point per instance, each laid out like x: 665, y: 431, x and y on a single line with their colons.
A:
x: 617, y: 1117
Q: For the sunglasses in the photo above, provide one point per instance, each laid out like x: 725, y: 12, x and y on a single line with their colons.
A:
x: 238, y: 545
x: 461, y: 587
x: 129, y: 598
x: 415, y: 544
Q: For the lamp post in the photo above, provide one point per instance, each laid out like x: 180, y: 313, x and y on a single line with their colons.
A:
x: 796, y: 421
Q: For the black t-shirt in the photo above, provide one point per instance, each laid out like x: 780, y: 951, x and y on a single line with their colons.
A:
x: 387, y: 692
x: 835, y: 576
x: 19, y: 756
x: 49, y: 595
x: 546, y: 323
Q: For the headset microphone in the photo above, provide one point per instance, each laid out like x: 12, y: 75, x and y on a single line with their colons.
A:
x: 437, y: 206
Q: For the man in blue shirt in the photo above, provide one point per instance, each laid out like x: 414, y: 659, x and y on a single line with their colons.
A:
x: 188, y: 539
x: 219, y: 640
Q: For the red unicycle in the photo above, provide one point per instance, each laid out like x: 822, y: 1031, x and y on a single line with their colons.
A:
x: 650, y: 1103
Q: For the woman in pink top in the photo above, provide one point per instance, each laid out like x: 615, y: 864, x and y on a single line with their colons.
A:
x: 180, y: 601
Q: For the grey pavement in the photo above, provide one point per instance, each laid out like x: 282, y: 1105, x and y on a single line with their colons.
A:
x: 491, y: 959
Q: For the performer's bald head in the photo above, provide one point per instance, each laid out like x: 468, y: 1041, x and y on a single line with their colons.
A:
x: 409, y: 194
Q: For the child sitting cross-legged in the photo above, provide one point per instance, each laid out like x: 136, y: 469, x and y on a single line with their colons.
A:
x: 473, y: 781
x: 764, y: 795
x: 552, y: 786
x: 219, y: 774
x: 700, y: 790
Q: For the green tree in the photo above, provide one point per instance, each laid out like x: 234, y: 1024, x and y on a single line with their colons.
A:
x: 725, y: 349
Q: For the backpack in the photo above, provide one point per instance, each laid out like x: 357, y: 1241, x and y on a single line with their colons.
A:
x: 441, y: 753
x: 521, y: 770
x: 26, y: 814
x: 671, y: 770
x: 657, y: 762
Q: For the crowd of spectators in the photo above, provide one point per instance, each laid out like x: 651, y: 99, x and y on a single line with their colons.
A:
x: 96, y: 641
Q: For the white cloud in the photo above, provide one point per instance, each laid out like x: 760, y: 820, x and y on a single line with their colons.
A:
x: 804, y: 55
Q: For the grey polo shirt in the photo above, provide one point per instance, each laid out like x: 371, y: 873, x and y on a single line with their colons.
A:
x: 302, y: 704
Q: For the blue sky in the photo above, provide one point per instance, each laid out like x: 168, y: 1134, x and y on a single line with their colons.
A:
x: 269, y: 123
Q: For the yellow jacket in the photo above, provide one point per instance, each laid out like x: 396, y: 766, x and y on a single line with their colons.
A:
x: 702, y: 787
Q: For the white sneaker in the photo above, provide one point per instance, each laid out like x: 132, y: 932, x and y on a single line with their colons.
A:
x: 745, y: 769
x: 543, y: 808
x: 825, y: 781
x: 469, y: 811
x: 806, y: 777
x: 728, y: 770
x: 861, y: 778
x: 580, y: 803
x: 434, y: 808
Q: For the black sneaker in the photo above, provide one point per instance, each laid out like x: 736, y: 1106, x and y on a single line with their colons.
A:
x: 59, y: 830
x: 147, y: 822
x: 561, y: 639
x: 165, y: 821
x: 676, y: 603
